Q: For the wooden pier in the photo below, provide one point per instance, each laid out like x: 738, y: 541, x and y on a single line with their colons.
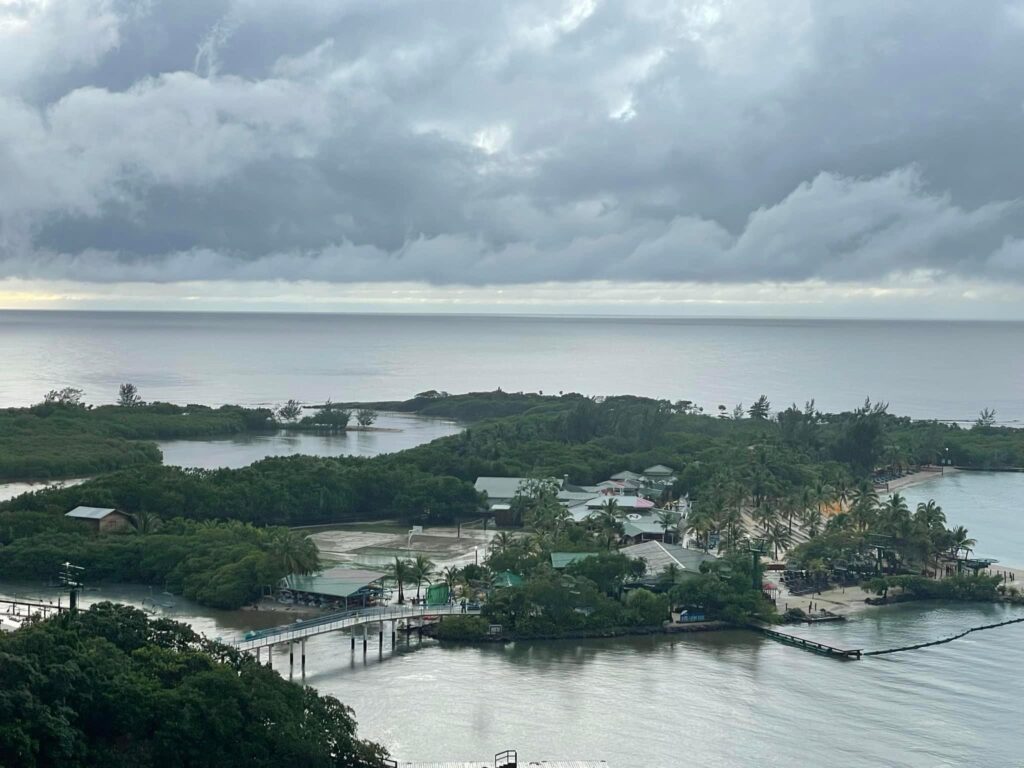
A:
x: 808, y: 645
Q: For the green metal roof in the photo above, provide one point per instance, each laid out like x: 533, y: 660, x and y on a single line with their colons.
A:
x: 560, y: 560
x: 336, y: 582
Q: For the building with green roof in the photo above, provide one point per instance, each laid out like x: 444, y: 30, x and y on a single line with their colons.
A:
x: 562, y: 560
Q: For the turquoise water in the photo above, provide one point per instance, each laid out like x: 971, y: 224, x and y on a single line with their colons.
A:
x: 989, y: 504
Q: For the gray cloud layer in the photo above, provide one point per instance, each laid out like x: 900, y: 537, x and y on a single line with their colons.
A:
x: 468, y: 142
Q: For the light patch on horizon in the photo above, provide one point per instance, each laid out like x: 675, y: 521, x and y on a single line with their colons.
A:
x: 912, y: 295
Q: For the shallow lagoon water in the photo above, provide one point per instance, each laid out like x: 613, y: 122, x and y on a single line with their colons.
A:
x: 714, y: 699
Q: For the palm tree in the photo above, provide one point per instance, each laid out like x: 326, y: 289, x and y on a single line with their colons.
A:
x: 811, y: 520
x: 765, y: 514
x: 607, y: 527
x: 733, y: 531
x: 930, y: 514
x: 611, y: 506
x: 503, y: 541
x: 400, y: 572
x: 667, y: 519
x: 421, y: 569
x: 779, y: 536
x: 959, y: 541
x: 451, y: 576
x: 146, y: 522
x: 863, y: 506
x: 699, y: 524
x: 294, y: 552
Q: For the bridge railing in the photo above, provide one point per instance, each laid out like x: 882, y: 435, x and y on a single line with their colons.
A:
x: 321, y: 625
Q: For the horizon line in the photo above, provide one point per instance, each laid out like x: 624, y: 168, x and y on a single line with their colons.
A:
x: 513, y: 315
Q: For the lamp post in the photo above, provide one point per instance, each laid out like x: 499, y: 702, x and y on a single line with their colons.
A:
x: 476, y: 555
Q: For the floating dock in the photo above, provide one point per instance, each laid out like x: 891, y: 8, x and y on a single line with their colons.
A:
x: 808, y: 645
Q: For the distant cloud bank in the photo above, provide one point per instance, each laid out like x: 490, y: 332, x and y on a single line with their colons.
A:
x: 733, y: 145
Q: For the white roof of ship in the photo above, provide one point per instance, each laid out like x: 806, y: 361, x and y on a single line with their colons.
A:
x: 90, y: 513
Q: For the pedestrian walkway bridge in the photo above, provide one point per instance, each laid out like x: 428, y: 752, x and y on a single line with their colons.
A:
x: 303, y: 629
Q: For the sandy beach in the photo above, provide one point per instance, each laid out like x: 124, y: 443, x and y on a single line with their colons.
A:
x: 916, y: 478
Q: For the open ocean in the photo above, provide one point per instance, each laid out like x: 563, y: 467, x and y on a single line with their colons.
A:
x: 940, y: 370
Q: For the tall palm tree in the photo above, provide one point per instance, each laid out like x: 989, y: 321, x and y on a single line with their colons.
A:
x: 930, y: 514
x: 779, y: 536
x: 607, y: 527
x: 667, y: 519
x: 863, y: 506
x: 611, y: 506
x: 959, y: 542
x: 400, y: 572
x: 699, y: 523
x: 732, y: 530
x: 451, y: 576
x: 421, y: 569
x: 765, y: 514
x: 503, y: 541
x: 811, y: 520
x: 294, y: 552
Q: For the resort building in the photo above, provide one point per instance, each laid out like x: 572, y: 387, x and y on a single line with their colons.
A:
x: 338, y: 588
x: 562, y: 560
x: 642, y: 529
x: 101, y: 519
x: 659, y: 556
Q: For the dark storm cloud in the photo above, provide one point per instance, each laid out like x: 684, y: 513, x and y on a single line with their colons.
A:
x: 463, y: 142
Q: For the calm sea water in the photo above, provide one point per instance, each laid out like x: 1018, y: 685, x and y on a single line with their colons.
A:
x: 723, y: 699
x: 402, y: 431
x: 943, y: 370
x: 989, y: 504
x: 718, y: 699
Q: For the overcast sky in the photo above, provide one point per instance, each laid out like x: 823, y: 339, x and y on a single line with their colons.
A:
x: 792, y: 157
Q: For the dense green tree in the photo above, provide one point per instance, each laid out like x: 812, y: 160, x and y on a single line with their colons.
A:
x: 108, y: 687
x: 290, y: 411
x: 128, y: 396
x: 760, y: 409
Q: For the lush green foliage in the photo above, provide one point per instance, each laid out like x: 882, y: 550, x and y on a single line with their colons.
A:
x: 290, y: 490
x: 52, y: 440
x: 107, y: 687
x: 871, y: 536
x: 464, y: 628
x: 968, y: 587
x: 725, y: 590
x: 223, y: 565
x: 589, y: 596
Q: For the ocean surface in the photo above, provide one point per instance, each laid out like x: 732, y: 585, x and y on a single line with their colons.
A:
x: 989, y: 504
x: 940, y: 370
x: 398, y: 431
x: 720, y: 699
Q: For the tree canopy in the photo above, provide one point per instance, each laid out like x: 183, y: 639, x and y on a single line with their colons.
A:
x: 110, y: 687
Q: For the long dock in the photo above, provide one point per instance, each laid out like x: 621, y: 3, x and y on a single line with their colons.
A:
x: 808, y: 645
